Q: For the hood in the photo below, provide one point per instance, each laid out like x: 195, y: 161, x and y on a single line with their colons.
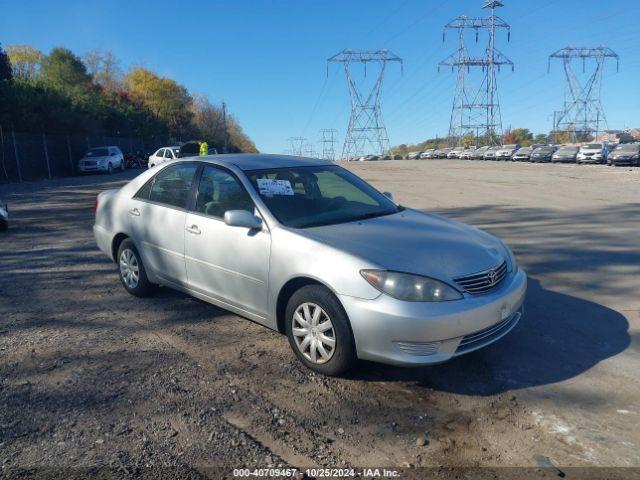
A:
x: 415, y: 242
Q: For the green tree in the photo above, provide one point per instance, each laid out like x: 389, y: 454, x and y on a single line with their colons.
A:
x: 5, y: 66
x: 541, y: 138
x: 63, y: 69
x: 25, y: 60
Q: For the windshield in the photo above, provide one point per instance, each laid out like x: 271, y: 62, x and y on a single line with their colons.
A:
x: 592, y: 146
x: 629, y: 147
x: 509, y: 147
x: 568, y: 150
x: 525, y: 150
x: 302, y: 197
x: 98, y: 152
x: 543, y: 149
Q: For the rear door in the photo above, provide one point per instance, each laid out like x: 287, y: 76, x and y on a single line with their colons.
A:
x: 230, y: 264
x: 157, y: 216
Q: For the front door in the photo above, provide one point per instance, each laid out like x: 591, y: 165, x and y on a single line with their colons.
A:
x: 230, y: 264
x: 157, y: 218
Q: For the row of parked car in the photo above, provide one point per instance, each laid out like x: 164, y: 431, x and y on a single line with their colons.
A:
x: 613, y: 154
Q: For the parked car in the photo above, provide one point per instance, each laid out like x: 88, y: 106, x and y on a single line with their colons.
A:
x: 506, y: 151
x: 542, y: 154
x: 490, y: 154
x: 444, y: 152
x: 593, y: 153
x: 387, y: 157
x: 413, y: 155
x: 163, y: 155
x: 102, y: 159
x: 455, y: 152
x: 479, y: 153
x: 625, y: 154
x: 522, y: 154
x: 467, y: 153
x: 318, y: 254
x: 433, y: 153
x: 566, y: 154
x: 4, y: 216
x: 427, y: 153
x: 398, y: 157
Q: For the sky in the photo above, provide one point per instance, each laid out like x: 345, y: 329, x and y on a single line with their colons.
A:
x: 267, y: 58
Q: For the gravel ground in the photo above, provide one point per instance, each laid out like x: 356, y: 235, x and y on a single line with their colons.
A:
x: 91, y: 377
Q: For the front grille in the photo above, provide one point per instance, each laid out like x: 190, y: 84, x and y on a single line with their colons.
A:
x: 482, y: 282
x: 488, y: 335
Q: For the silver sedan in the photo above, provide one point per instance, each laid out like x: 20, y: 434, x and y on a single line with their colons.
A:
x: 309, y: 249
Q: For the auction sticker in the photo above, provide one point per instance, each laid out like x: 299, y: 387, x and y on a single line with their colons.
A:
x: 267, y: 186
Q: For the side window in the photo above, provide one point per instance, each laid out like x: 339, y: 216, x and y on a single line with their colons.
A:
x: 219, y: 192
x: 160, y: 153
x: 172, y: 185
x: 167, y: 154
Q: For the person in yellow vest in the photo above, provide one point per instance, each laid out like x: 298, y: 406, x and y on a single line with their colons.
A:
x: 204, y: 149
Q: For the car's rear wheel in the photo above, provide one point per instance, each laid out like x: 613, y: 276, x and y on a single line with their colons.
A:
x: 318, y: 331
x: 132, y: 272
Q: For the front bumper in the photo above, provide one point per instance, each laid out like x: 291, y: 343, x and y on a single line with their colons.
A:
x: 623, y: 161
x: 92, y: 168
x: 390, y: 331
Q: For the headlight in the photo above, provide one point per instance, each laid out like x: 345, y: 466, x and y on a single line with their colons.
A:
x: 411, y: 288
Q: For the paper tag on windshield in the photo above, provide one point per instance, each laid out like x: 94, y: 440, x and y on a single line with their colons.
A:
x: 266, y: 186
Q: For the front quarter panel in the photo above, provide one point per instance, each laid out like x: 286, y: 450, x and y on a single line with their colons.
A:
x: 294, y: 255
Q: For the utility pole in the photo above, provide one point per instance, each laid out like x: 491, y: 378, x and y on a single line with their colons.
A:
x: 476, y: 110
x: 366, y: 132
x: 328, y: 142
x: 582, y: 110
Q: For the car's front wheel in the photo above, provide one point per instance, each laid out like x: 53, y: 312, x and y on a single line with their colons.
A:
x: 318, y: 331
x: 132, y: 272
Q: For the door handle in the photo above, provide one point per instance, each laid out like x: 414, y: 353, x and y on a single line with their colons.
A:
x: 193, y: 229
x: 135, y: 212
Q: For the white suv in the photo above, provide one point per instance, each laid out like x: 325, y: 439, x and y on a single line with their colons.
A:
x: 164, y: 154
x: 102, y: 159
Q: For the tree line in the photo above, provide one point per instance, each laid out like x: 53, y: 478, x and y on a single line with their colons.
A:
x: 61, y: 92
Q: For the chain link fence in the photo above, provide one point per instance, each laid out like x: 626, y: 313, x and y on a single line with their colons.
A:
x: 30, y: 156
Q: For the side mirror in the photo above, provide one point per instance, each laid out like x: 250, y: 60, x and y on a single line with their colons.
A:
x: 389, y: 195
x: 242, y: 218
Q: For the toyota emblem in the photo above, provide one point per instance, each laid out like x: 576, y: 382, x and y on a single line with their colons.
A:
x: 492, y: 277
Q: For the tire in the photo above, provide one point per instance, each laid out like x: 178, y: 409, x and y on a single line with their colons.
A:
x: 342, y: 356
x: 4, y: 225
x: 110, y: 169
x: 129, y: 261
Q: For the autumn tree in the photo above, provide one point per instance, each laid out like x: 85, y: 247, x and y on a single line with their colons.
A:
x: 105, y: 69
x: 25, y: 61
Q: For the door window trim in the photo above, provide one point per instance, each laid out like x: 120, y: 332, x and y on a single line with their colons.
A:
x: 166, y: 205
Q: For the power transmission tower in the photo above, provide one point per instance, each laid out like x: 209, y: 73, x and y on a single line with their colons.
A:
x: 328, y: 142
x: 297, y: 146
x: 582, y: 112
x: 476, y: 109
x: 366, y: 132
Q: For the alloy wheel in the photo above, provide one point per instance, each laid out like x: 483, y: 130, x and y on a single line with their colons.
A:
x: 313, y: 332
x: 129, y: 268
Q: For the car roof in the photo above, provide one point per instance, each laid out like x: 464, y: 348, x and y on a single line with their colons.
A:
x: 255, y: 161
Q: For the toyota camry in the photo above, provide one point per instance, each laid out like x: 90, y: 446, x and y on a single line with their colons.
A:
x: 309, y: 249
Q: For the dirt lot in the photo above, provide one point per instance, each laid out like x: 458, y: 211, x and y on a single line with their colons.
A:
x: 91, y: 376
